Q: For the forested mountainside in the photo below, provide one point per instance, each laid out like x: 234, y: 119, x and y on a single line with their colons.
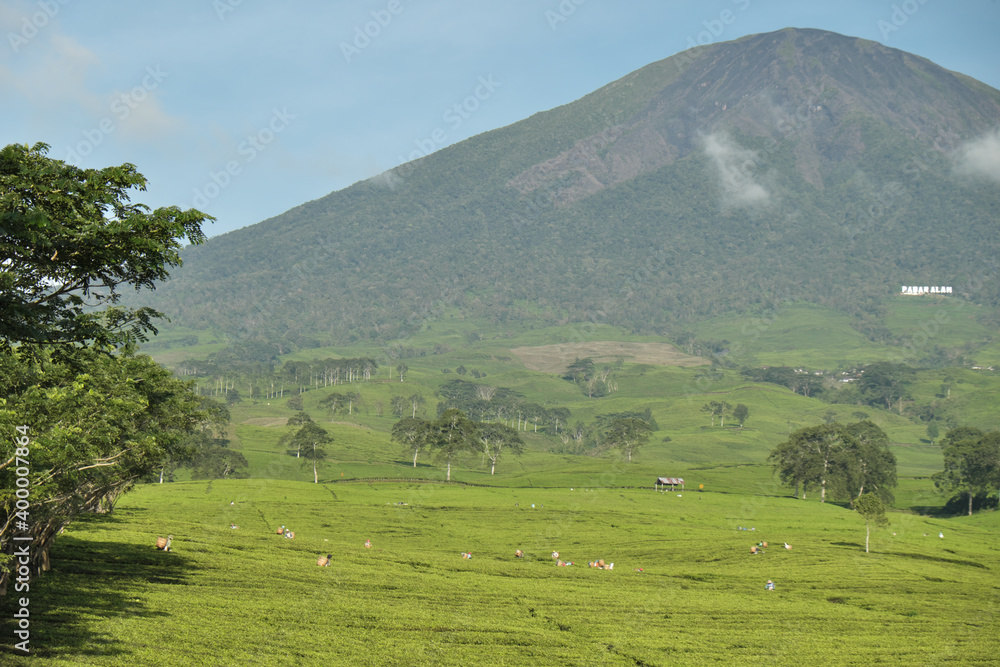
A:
x: 795, y: 165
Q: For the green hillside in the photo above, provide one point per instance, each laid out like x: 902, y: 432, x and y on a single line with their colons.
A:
x: 736, y: 179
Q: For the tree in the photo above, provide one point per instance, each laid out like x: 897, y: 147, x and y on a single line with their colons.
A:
x: 214, y: 461
x: 401, y: 368
x: 933, y: 431
x: 298, y: 419
x: 94, y: 417
x: 416, y: 402
x: 837, y: 458
x: 627, y: 434
x: 740, y: 413
x: 810, y: 456
x: 580, y: 370
x: 69, y: 239
x: 724, y: 409
x: 411, y: 433
x: 883, y: 383
x: 497, y: 438
x: 971, y: 464
x: 398, y: 405
x: 311, y: 440
x: 871, y: 465
x: 712, y: 408
x: 452, y: 433
x: 870, y: 506
x: 92, y: 425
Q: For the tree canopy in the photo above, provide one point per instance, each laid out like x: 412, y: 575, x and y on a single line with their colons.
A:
x: 971, y: 464
x: 70, y: 238
x: 842, y: 460
x: 89, y: 418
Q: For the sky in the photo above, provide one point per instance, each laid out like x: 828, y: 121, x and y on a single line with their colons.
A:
x: 245, y: 109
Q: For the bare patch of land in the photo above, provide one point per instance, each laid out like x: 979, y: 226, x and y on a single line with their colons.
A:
x: 266, y: 421
x: 555, y: 358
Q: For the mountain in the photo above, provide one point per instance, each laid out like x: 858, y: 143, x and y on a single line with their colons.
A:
x: 798, y: 165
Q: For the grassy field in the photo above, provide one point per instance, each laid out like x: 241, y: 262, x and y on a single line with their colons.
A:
x: 684, y: 585
x: 684, y: 588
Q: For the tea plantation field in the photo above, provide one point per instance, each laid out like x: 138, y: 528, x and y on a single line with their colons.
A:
x: 685, y: 588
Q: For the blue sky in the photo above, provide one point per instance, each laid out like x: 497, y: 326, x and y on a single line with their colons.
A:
x: 246, y: 108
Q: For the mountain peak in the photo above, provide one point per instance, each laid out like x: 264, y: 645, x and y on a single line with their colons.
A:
x: 793, y: 165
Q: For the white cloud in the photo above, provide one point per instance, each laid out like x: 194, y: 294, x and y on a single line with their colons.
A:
x: 981, y: 157
x: 735, y: 166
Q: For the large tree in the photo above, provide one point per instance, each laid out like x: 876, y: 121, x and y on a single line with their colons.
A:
x: 871, y: 465
x: 451, y: 434
x: 498, y: 438
x: 70, y: 239
x: 311, y: 440
x: 411, y: 433
x: 841, y: 460
x: 971, y: 464
x: 91, y: 418
x: 627, y: 434
x: 83, y: 430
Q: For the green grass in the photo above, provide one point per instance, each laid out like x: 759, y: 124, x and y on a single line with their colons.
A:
x: 249, y: 597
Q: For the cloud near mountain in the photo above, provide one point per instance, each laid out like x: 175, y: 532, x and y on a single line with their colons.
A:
x: 981, y: 157
x: 736, y: 167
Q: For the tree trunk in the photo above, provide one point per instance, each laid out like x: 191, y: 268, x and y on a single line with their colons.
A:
x: 493, y: 467
x: 448, y: 477
x: 970, y: 503
x: 867, y: 532
x: 315, y: 474
x: 415, y: 458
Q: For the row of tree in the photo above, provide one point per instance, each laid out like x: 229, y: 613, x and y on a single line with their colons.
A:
x: 486, y: 403
x: 453, y: 434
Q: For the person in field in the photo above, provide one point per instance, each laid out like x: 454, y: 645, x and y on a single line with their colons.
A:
x: 769, y: 586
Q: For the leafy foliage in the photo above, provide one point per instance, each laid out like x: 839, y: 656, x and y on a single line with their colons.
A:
x: 971, y: 464
x: 844, y: 460
x: 69, y: 239
x: 870, y: 506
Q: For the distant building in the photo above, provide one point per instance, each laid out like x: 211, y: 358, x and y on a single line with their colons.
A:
x: 672, y: 482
